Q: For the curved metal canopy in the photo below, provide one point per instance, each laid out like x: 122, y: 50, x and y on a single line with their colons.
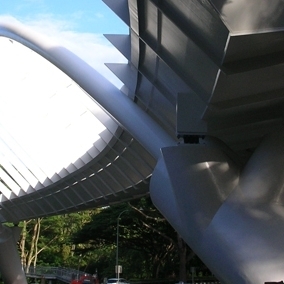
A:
x: 104, y: 172
x: 193, y: 70
x: 196, y: 69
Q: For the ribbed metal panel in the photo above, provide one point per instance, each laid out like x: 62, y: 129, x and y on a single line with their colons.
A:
x: 179, y: 52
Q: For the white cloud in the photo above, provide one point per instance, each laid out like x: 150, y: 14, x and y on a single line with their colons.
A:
x: 99, y: 15
x: 92, y: 48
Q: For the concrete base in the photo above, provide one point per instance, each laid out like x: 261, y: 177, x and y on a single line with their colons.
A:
x: 10, y: 263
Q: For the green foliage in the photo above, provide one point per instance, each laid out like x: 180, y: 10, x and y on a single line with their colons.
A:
x: 54, y: 244
x: 87, y: 241
x: 147, y: 242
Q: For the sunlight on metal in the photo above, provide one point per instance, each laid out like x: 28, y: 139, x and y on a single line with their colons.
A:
x: 251, y: 17
x: 46, y: 120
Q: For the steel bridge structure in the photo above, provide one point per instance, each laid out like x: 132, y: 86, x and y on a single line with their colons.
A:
x: 198, y: 124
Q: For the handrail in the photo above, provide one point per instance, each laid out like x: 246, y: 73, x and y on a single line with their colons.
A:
x: 60, y: 273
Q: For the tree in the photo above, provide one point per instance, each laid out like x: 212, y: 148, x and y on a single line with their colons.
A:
x: 148, y: 246
x: 47, y: 241
x: 29, y: 253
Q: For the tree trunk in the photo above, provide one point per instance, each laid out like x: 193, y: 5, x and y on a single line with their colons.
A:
x: 36, y: 241
x: 22, y: 244
x: 182, y: 250
x: 31, y: 257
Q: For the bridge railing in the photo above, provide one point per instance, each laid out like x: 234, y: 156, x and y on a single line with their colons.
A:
x: 60, y: 273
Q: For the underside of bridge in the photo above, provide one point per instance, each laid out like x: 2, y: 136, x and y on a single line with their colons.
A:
x: 198, y: 124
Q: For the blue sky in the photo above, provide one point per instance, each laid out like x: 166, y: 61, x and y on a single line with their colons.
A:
x: 91, y: 16
x: 78, y: 25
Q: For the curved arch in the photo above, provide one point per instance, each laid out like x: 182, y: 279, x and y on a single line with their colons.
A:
x: 125, y: 112
x: 122, y: 109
